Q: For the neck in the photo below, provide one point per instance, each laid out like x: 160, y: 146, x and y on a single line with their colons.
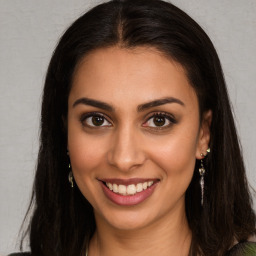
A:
x: 168, y: 234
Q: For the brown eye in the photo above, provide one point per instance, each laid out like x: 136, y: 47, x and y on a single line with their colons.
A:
x: 95, y: 120
x: 98, y: 120
x: 159, y: 121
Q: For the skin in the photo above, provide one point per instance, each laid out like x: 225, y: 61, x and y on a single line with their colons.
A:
x: 129, y: 145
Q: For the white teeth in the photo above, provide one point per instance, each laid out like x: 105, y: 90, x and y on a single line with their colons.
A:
x: 122, y: 189
x: 139, y: 187
x: 109, y: 185
x: 130, y: 189
x: 150, y: 183
x: 115, y: 188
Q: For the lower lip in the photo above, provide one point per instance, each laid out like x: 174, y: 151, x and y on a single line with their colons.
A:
x: 128, y: 200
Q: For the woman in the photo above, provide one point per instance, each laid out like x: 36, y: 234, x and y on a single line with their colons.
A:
x: 139, y: 153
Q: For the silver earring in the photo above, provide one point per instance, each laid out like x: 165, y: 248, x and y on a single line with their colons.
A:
x: 202, y: 173
x: 70, y: 177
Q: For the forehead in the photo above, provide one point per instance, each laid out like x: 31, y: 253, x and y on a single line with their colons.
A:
x: 141, y: 74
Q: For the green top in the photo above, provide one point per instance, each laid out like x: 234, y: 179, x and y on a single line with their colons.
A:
x: 240, y: 249
x: 243, y: 249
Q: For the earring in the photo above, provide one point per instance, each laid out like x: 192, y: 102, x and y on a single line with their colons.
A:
x: 70, y: 177
x: 202, y: 173
x: 205, y: 154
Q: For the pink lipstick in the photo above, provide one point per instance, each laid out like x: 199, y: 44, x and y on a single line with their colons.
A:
x: 128, y: 192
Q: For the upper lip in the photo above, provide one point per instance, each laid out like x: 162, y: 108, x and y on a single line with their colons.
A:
x: 127, y: 181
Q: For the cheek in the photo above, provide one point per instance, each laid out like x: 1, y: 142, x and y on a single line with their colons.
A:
x: 86, y: 151
x: 177, y: 163
x: 175, y: 155
x: 86, y: 157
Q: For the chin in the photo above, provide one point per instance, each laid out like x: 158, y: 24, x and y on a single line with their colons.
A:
x: 130, y: 222
x: 127, y: 218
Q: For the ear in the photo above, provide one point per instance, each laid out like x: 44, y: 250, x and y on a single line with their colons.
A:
x: 204, y: 134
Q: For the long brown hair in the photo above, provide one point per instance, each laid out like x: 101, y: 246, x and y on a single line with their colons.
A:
x: 62, y: 221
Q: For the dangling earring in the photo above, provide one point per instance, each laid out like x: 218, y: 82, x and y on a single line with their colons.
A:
x: 202, y: 173
x: 70, y: 177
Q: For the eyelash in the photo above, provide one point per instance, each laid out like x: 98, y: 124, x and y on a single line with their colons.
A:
x: 86, y: 116
x: 170, y: 118
x: 164, y: 115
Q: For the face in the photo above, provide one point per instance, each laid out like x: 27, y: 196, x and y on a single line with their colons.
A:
x: 133, y: 135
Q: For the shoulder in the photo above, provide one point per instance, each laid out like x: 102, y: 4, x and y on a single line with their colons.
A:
x: 20, y: 254
x: 243, y: 249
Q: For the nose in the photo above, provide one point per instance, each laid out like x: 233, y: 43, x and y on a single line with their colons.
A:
x: 126, y: 151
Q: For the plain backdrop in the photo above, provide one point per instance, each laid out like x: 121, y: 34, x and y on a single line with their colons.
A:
x: 29, y: 30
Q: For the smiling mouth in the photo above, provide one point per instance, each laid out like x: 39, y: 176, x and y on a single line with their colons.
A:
x: 129, y: 190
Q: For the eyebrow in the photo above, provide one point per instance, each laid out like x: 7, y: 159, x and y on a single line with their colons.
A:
x: 159, y: 102
x: 140, y: 108
x: 94, y: 103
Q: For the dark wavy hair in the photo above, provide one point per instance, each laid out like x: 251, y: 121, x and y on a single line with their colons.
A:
x: 62, y: 219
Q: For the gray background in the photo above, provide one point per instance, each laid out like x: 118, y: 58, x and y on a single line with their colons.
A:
x: 29, y: 30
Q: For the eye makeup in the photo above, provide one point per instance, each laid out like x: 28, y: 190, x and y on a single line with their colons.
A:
x: 95, y: 120
x: 159, y: 121
x: 154, y: 121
